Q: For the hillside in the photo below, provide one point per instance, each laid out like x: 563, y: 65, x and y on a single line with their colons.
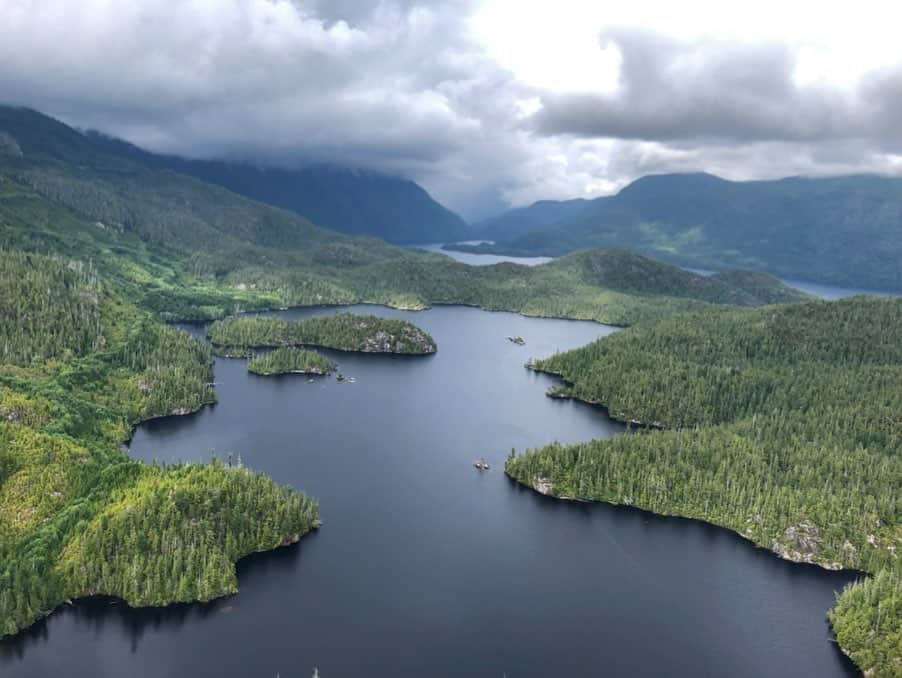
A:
x: 540, y: 216
x: 751, y: 441
x: 842, y: 230
x: 186, y: 249
x: 77, y: 516
x: 347, y: 200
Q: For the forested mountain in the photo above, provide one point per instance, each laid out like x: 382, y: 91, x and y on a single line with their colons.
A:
x: 347, y: 200
x: 353, y: 201
x: 540, y: 216
x: 780, y: 423
x: 187, y: 249
x: 840, y: 230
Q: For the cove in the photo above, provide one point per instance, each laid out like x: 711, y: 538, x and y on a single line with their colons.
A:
x: 425, y: 566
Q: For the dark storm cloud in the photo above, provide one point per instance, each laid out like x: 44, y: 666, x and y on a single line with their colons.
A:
x: 394, y: 85
x: 710, y: 90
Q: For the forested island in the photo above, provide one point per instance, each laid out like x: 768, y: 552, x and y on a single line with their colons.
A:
x: 79, y: 367
x: 781, y: 423
x: 290, y: 360
x: 343, y: 332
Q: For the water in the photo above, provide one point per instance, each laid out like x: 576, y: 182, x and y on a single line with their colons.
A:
x: 481, y: 259
x: 821, y: 291
x: 828, y: 292
x: 425, y: 566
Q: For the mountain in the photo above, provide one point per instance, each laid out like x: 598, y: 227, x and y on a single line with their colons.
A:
x: 839, y: 230
x: 539, y: 216
x: 188, y: 249
x: 353, y: 201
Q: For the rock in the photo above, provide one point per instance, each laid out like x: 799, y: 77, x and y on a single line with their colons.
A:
x: 800, y: 543
x: 543, y: 486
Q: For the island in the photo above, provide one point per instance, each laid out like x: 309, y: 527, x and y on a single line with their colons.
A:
x: 342, y: 331
x: 290, y: 360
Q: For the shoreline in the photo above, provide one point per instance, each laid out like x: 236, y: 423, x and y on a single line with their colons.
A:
x: 545, y: 488
x: 124, y: 447
x: 320, y: 346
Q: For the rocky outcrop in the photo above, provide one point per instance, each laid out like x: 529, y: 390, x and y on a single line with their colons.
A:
x: 543, y: 486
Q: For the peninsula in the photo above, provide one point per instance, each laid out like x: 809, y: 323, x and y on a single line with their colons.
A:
x: 750, y: 442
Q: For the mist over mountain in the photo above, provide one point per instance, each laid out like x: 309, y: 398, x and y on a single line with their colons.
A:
x: 357, y: 202
x: 344, y: 199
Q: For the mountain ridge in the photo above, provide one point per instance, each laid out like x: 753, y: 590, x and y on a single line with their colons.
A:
x: 349, y: 200
x: 844, y: 230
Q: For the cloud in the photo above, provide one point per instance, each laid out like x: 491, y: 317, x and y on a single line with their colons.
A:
x: 708, y: 91
x: 396, y: 86
x: 404, y: 86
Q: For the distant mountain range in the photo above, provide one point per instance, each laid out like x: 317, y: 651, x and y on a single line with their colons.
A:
x: 189, y: 249
x: 839, y: 230
x: 520, y: 221
x: 341, y: 199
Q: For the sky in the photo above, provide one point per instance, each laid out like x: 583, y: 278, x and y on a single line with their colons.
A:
x: 487, y: 103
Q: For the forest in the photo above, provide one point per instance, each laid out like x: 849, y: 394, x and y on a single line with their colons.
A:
x: 188, y: 250
x: 781, y: 423
x: 342, y: 331
x: 80, y: 367
x: 290, y: 360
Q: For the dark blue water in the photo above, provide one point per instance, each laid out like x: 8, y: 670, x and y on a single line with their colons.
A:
x: 426, y: 567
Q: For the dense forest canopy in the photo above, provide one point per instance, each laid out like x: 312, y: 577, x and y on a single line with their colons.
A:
x: 290, y: 360
x: 80, y: 366
x: 782, y: 423
x: 343, y: 331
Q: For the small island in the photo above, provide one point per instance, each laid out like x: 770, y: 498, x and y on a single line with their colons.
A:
x: 290, y: 360
x: 343, y: 332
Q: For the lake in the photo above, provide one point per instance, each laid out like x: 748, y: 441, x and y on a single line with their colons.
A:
x: 480, y: 259
x: 426, y: 567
